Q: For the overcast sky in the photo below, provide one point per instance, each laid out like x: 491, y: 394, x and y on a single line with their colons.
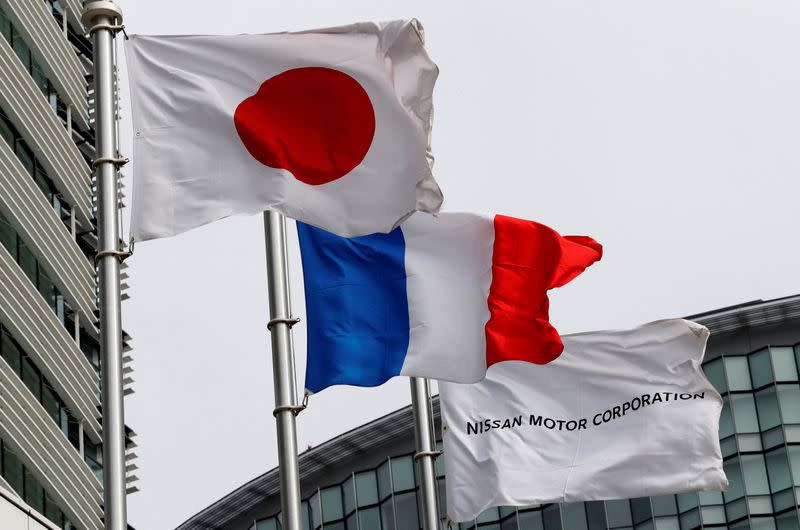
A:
x: 668, y: 131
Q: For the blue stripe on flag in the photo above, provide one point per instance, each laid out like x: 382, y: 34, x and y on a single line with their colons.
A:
x: 356, y: 306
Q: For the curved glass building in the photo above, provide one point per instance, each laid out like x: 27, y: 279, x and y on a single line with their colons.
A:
x: 51, y: 461
x: 366, y: 479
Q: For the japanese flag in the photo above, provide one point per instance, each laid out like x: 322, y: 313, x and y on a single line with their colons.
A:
x: 330, y: 127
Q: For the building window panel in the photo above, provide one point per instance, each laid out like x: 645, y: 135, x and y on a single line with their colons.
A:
x: 384, y: 480
x: 349, y: 495
x: 755, y: 474
x: 369, y: 518
x: 789, y: 400
x: 596, y: 515
x: 13, y: 472
x: 664, y: 505
x: 715, y: 373
x: 551, y: 515
x: 331, y: 499
x: 574, y: 516
x: 530, y: 520
x: 784, y: 364
x: 768, y: 413
x: 405, y: 505
x: 744, y: 413
x: 738, y: 373
x: 387, y: 515
x: 618, y: 513
x: 761, y: 368
x: 762, y: 523
x: 402, y: 473
x: 787, y: 521
x: 794, y: 461
x: 780, y: 476
x: 735, y: 484
x: 366, y: 488
x: 34, y: 492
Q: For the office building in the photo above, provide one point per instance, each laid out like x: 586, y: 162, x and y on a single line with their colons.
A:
x: 366, y: 479
x: 51, y: 460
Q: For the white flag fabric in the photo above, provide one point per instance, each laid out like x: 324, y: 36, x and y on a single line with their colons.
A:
x: 619, y: 414
x: 329, y: 126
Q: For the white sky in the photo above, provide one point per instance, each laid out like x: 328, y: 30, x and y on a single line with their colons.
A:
x: 668, y: 131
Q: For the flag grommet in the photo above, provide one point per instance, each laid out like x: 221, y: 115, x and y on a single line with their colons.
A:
x: 291, y: 321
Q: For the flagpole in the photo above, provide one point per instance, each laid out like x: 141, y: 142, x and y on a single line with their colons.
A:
x: 426, y: 451
x: 283, y: 374
x: 102, y: 20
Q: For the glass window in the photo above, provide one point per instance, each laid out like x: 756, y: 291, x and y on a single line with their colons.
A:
x: 366, y: 488
x: 551, y: 516
x: 734, y: 474
x: 768, y: 412
x: 640, y: 508
x: 789, y: 399
x: 34, y: 493
x: 488, y: 515
x: 53, y: 512
x: 369, y: 518
x: 778, y: 470
x: 5, y: 26
x: 755, y: 474
x: 738, y: 373
x: 21, y: 49
x: 349, y: 494
x: 761, y: 368
x: 784, y: 363
x: 384, y: 480
x: 794, y: 460
x: 762, y: 523
x: 31, y: 378
x: 530, y: 520
x: 51, y: 403
x: 716, y: 375
x: 710, y: 497
x: 316, y: 513
x: 387, y: 515
x: 441, y: 488
x: 402, y: 473
x: 8, y: 237
x: 725, y: 419
x: 574, y: 516
x: 12, y: 470
x: 664, y: 505
x: 687, y: 501
x: 11, y: 353
x: 618, y: 513
x: 787, y: 521
x: 744, y: 413
x: 331, y: 499
x: 596, y: 514
x: 27, y: 261
x: 667, y: 523
x: 406, y: 511
x: 267, y: 524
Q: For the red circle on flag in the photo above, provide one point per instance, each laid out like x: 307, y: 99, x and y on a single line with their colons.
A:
x: 315, y: 122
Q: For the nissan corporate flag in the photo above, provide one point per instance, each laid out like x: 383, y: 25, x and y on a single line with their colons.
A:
x: 619, y: 414
x: 331, y: 127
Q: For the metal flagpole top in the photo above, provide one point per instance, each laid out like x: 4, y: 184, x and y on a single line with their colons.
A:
x: 100, y: 8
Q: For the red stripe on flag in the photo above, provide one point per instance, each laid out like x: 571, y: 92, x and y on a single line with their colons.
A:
x: 529, y: 259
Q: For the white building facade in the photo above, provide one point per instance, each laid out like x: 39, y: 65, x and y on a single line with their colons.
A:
x: 50, y: 432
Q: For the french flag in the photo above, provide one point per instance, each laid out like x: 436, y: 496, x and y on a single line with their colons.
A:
x: 440, y: 297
